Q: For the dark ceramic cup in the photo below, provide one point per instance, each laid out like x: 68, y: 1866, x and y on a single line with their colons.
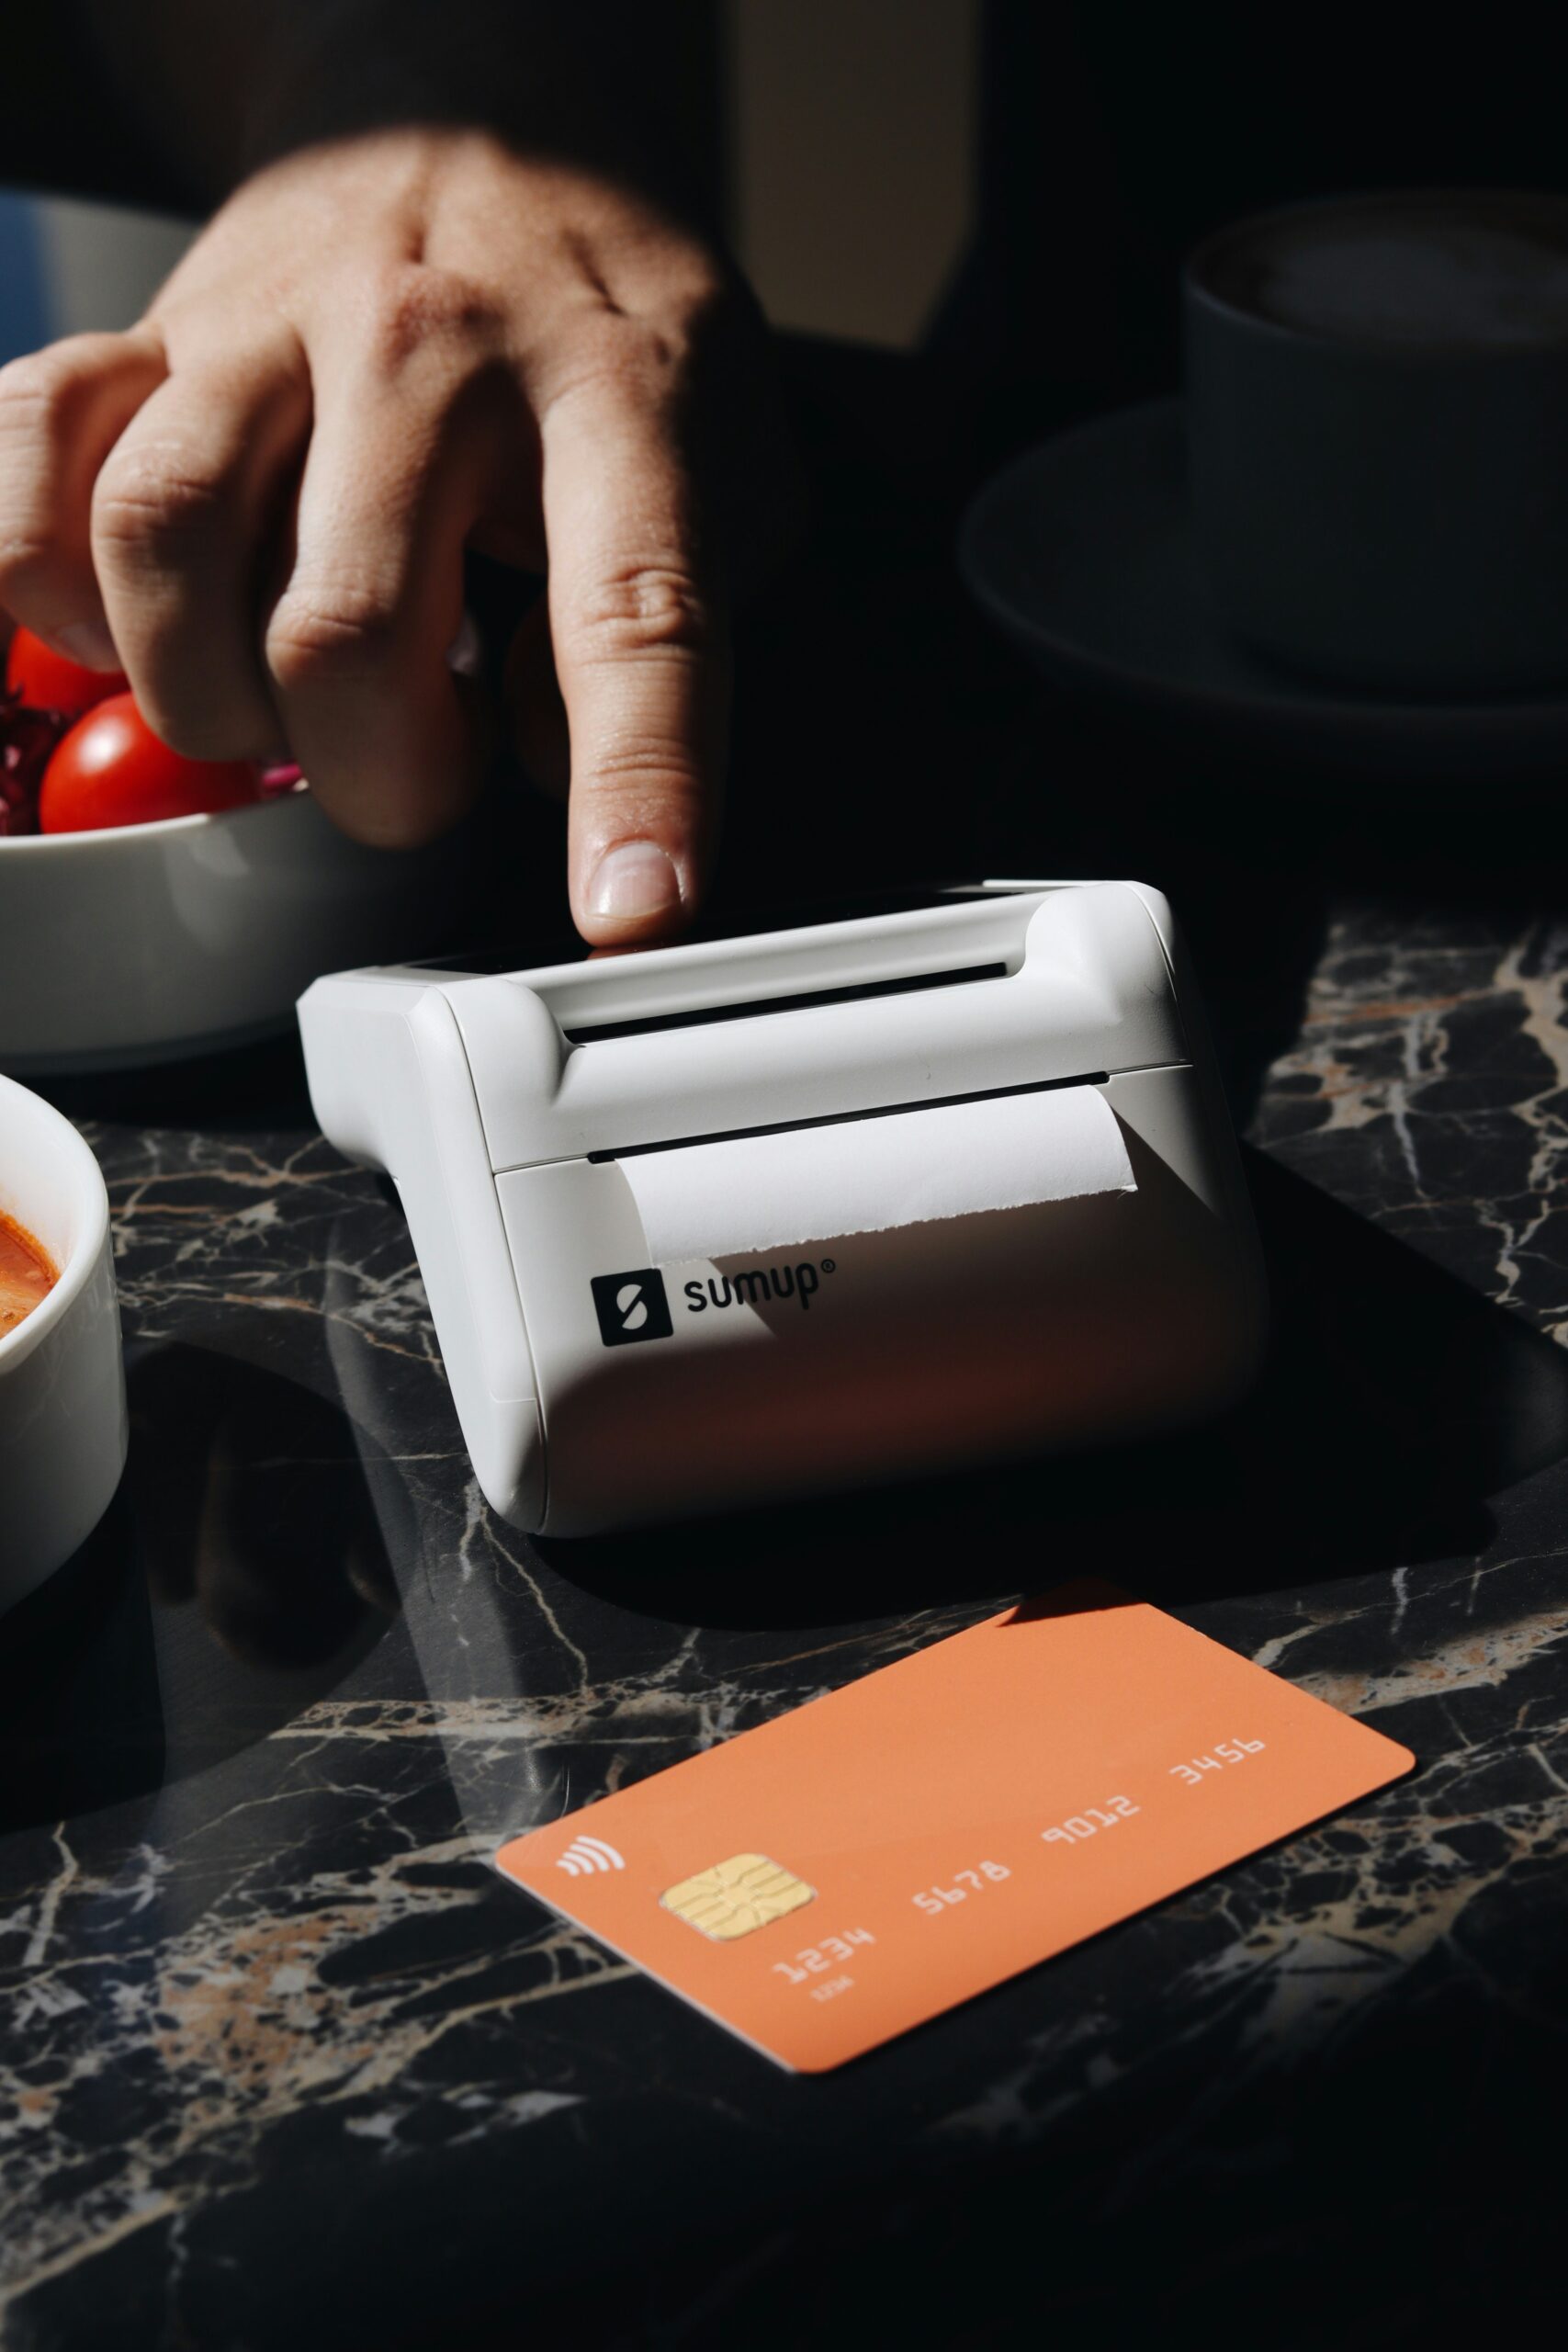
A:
x: 1377, y: 393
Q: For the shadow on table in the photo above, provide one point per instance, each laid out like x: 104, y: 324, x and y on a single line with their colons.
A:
x: 1395, y: 1401
x: 252, y: 1560
x: 238, y: 1575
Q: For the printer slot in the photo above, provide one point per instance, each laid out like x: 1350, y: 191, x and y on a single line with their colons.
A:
x: 748, y: 1009
x: 849, y: 1118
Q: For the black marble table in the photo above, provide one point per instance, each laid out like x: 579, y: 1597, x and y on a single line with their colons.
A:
x: 282, y: 2061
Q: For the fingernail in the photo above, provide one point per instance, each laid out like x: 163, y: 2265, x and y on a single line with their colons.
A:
x: 634, y: 879
x: 89, y: 643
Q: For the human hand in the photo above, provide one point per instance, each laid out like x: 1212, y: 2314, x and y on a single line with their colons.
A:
x: 380, y: 352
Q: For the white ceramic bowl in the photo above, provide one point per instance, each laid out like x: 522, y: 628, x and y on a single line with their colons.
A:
x: 143, y: 943
x: 62, y: 1416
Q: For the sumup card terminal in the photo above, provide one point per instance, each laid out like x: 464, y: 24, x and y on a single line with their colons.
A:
x: 744, y: 1217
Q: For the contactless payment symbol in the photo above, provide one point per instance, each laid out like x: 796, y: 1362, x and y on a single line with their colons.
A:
x: 631, y: 1307
x: 587, y: 1854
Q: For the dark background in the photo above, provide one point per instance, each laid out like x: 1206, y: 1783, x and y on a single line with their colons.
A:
x: 882, y: 734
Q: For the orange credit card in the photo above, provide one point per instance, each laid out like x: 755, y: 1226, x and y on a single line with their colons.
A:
x: 848, y: 1870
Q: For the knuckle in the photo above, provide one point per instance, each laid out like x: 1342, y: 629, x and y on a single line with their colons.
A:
x: 34, y: 390
x: 617, y: 363
x: 640, y: 779
x: 325, y: 634
x: 643, y: 351
x: 640, y: 791
x: 414, y: 305
x: 147, y: 503
x: 646, y: 606
x: 638, y: 783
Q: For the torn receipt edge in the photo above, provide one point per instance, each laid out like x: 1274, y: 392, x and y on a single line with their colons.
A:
x: 701, y: 1202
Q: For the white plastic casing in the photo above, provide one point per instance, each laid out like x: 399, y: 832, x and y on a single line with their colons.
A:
x: 1060, y: 1324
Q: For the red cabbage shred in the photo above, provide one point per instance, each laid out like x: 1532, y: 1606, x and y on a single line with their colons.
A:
x: 26, y: 739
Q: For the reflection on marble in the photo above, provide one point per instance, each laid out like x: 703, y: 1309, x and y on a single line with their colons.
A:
x: 1429, y: 1091
x: 275, y: 2043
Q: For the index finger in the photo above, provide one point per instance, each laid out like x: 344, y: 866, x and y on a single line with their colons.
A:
x: 643, y: 660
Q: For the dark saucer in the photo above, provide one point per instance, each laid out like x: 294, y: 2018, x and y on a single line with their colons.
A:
x: 1083, y: 551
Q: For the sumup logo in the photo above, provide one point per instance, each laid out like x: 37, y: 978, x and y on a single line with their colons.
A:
x: 635, y: 1306
x: 755, y: 1285
x: 631, y: 1307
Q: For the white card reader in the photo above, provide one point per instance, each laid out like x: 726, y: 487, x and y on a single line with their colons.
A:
x: 711, y: 1223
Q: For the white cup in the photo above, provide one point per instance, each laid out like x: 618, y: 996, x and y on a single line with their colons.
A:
x: 62, y: 1416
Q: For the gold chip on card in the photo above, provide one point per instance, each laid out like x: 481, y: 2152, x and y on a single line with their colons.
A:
x: 737, y: 1897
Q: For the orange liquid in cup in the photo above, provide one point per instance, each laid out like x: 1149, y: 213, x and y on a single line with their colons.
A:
x: 26, y: 1273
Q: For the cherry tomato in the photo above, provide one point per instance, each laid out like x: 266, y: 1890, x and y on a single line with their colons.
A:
x: 112, y: 770
x: 47, y: 681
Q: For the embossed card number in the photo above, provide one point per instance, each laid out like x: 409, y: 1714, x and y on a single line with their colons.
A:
x: 948, y: 1821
